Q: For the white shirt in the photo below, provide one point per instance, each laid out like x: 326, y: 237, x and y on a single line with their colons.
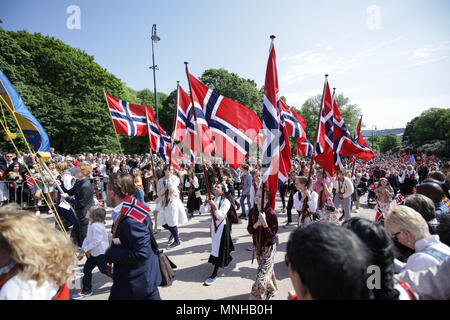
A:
x: 346, y: 186
x: 421, y: 260
x: 195, y: 183
x: 96, y: 240
x: 19, y: 288
x: 312, y: 203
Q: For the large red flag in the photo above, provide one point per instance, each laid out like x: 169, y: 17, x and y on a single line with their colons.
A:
x: 324, y: 154
x: 234, y: 126
x: 276, y: 160
x: 185, y: 127
x: 128, y: 118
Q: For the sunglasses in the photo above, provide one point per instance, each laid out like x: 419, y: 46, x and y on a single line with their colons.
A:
x: 286, y: 260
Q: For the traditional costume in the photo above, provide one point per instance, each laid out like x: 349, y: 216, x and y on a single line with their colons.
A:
x: 221, y: 243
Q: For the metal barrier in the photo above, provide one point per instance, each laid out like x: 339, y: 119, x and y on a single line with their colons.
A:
x: 16, y: 192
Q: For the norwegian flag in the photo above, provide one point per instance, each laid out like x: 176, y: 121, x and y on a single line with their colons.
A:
x: 128, y: 118
x: 233, y: 126
x: 343, y: 141
x: 399, y: 199
x: 185, y: 129
x: 29, y: 181
x: 324, y: 155
x: 379, y: 217
x: 276, y: 160
x: 358, y: 136
x: 304, y: 148
x: 160, y: 141
x: 334, y: 139
x: 295, y: 123
x: 134, y: 209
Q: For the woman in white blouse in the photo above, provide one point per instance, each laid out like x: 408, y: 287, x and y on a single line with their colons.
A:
x: 221, y: 243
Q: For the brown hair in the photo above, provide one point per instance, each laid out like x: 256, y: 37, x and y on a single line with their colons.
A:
x: 97, y: 214
x: 122, y: 184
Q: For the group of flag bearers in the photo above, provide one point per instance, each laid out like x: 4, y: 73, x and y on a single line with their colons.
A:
x: 207, y: 122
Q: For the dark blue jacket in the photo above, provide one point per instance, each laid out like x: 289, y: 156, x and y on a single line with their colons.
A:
x: 136, y: 273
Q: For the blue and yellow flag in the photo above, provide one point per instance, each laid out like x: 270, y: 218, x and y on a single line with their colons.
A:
x: 31, y: 128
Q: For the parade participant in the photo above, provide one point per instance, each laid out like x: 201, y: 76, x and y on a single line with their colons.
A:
x: 344, y: 191
x: 256, y: 183
x: 247, y: 182
x: 160, y: 196
x: 136, y: 273
x: 408, y: 180
x: 324, y: 188
x: 381, y: 246
x: 263, y: 226
x: 37, y: 266
x: 94, y: 247
x: 194, y: 200
x: 173, y: 213
x: 221, y: 243
x: 385, y: 194
x: 81, y: 202
x: 326, y: 261
x: 409, y: 228
x: 291, y: 190
x: 299, y: 199
x: 237, y: 181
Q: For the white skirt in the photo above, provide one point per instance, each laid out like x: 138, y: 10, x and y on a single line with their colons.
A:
x: 173, y: 215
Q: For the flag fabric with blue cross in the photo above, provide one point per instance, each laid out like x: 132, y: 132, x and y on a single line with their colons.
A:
x: 129, y: 119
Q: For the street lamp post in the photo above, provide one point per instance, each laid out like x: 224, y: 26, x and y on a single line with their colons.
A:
x: 374, y: 127
x: 155, y: 38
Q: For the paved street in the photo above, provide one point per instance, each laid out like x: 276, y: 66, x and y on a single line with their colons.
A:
x: 233, y: 283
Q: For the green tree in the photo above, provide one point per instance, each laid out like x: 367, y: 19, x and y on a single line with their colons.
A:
x: 63, y: 89
x: 389, y: 142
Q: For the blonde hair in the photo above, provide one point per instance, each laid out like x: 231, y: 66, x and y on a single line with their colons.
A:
x: 403, y: 217
x: 61, y: 166
x: 86, y: 168
x: 41, y: 252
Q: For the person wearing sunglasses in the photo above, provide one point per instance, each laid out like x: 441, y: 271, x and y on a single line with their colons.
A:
x: 409, y: 228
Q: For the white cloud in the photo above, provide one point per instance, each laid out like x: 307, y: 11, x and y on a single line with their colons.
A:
x: 429, y: 54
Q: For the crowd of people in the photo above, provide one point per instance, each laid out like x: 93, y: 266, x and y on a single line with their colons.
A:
x: 328, y: 253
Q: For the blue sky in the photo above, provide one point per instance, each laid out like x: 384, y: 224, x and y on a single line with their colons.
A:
x: 392, y: 58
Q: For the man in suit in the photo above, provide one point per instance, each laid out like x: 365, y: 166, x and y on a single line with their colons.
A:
x: 6, y: 161
x: 82, y: 201
x: 136, y: 273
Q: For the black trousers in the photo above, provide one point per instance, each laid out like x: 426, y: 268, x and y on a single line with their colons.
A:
x: 290, y: 205
x: 91, y: 263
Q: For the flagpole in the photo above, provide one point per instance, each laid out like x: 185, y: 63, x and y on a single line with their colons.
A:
x: 150, y: 148
x: 172, y: 138
x: 109, y: 111
x: 208, y: 189
x: 308, y: 183
x: 57, y: 218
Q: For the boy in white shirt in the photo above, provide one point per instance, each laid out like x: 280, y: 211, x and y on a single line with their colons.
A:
x: 94, y: 246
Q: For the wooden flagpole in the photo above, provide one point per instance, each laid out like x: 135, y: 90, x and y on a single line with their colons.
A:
x: 150, y: 148
x: 172, y: 137
x: 199, y: 144
x: 308, y: 183
x: 109, y: 111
